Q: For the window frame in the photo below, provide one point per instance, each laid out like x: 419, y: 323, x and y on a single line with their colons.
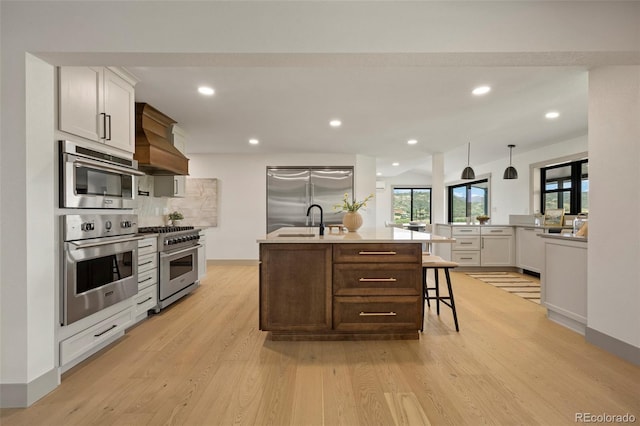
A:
x: 411, y: 188
x: 575, y: 190
x: 468, y: 186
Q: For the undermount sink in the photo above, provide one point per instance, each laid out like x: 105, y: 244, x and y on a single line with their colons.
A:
x: 296, y: 235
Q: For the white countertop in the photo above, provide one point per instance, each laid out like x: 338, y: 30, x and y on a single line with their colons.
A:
x: 565, y: 237
x: 364, y: 235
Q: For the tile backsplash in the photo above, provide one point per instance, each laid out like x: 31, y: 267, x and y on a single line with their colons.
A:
x: 199, y: 207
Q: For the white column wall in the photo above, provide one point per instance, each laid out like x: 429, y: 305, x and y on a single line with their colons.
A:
x: 614, y: 201
x: 365, y: 185
x: 438, y: 189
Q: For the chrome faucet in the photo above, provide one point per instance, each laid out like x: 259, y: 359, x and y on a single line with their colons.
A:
x: 321, y: 226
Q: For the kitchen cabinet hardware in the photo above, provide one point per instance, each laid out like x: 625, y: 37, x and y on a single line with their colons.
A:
x: 377, y: 314
x: 145, y: 300
x: 106, y: 331
x: 496, y: 230
x: 104, y: 125
x: 146, y: 279
x: 145, y: 263
x: 467, y: 258
x: 365, y: 253
x: 150, y: 245
x: 377, y: 280
x: 463, y: 243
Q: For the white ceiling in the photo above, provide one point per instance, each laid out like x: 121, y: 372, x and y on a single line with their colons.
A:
x: 288, y: 109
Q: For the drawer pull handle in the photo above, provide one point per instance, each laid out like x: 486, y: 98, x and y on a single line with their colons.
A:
x: 496, y: 230
x: 465, y: 230
x: 466, y: 258
x: 150, y: 245
x: 145, y: 263
x: 376, y: 252
x: 106, y: 331
x: 378, y: 314
x: 462, y: 243
x: 145, y: 300
x: 146, y: 279
x: 377, y: 280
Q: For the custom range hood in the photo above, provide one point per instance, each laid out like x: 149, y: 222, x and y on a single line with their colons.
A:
x: 155, y: 154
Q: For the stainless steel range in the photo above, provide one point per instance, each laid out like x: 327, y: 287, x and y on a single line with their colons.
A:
x: 178, y: 261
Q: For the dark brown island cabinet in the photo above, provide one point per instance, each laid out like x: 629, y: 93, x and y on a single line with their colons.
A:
x: 337, y: 289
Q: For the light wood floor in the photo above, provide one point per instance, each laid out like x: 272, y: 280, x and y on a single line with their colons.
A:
x: 203, y: 362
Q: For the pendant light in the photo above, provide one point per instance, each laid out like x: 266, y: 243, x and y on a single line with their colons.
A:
x: 510, y: 172
x: 468, y: 172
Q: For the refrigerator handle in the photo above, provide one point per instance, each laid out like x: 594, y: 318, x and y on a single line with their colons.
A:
x: 308, y: 203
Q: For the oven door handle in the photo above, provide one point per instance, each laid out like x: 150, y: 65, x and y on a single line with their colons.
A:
x: 171, y: 253
x: 113, y: 168
x: 81, y: 245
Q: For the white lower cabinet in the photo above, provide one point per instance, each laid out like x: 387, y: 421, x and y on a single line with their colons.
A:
x: 202, y: 255
x: 477, y: 245
x: 91, y: 339
x: 530, y: 249
x: 466, y: 250
x: 144, y: 301
x: 147, y: 297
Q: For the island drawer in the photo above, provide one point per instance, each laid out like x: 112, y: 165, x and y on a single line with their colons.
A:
x: 356, y: 313
x: 352, y: 279
x: 460, y: 231
x: 377, y: 253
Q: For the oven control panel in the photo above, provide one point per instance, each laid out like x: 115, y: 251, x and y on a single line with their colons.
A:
x: 85, y: 226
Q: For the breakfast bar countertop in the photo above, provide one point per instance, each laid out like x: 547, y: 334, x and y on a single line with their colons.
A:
x: 364, y: 235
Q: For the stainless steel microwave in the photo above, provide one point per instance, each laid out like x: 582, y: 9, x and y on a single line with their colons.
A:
x: 94, y: 179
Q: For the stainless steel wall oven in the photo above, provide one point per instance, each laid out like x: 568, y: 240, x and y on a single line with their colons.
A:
x: 90, y: 178
x: 100, y: 263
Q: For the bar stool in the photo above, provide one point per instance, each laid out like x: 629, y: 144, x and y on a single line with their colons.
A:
x: 436, y: 263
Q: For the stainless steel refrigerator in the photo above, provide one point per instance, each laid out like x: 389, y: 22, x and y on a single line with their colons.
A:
x: 291, y: 190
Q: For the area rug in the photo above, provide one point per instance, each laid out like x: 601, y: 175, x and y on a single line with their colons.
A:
x: 520, y: 285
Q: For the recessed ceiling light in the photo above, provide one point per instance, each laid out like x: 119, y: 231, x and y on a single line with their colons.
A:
x: 204, y: 90
x: 254, y: 141
x: 412, y: 141
x: 379, y: 174
x: 481, y: 90
x: 552, y: 114
x: 395, y: 164
x: 335, y: 123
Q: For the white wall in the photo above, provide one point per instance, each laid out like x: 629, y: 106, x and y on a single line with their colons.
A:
x: 614, y: 176
x: 242, y: 192
x: 513, y: 196
x: 507, y: 196
x: 385, y: 196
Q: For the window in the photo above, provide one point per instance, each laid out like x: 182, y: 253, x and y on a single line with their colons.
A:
x: 468, y: 200
x: 566, y: 186
x: 411, y: 204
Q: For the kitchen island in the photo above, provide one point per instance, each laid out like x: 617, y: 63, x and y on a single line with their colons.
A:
x: 342, y: 285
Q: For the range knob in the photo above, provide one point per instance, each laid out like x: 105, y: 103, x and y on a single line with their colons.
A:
x: 87, y: 226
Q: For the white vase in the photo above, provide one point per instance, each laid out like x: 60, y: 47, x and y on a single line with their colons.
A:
x: 352, y: 221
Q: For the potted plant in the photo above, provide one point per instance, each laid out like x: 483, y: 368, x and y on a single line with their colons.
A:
x: 175, y: 218
x: 352, y: 220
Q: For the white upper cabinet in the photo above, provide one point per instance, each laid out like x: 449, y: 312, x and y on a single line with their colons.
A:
x: 98, y: 104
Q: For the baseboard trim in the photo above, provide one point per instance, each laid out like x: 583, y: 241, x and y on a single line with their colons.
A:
x: 617, y: 347
x: 234, y: 262
x: 21, y: 395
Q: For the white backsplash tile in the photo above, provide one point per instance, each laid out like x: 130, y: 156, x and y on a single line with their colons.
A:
x: 199, y: 207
